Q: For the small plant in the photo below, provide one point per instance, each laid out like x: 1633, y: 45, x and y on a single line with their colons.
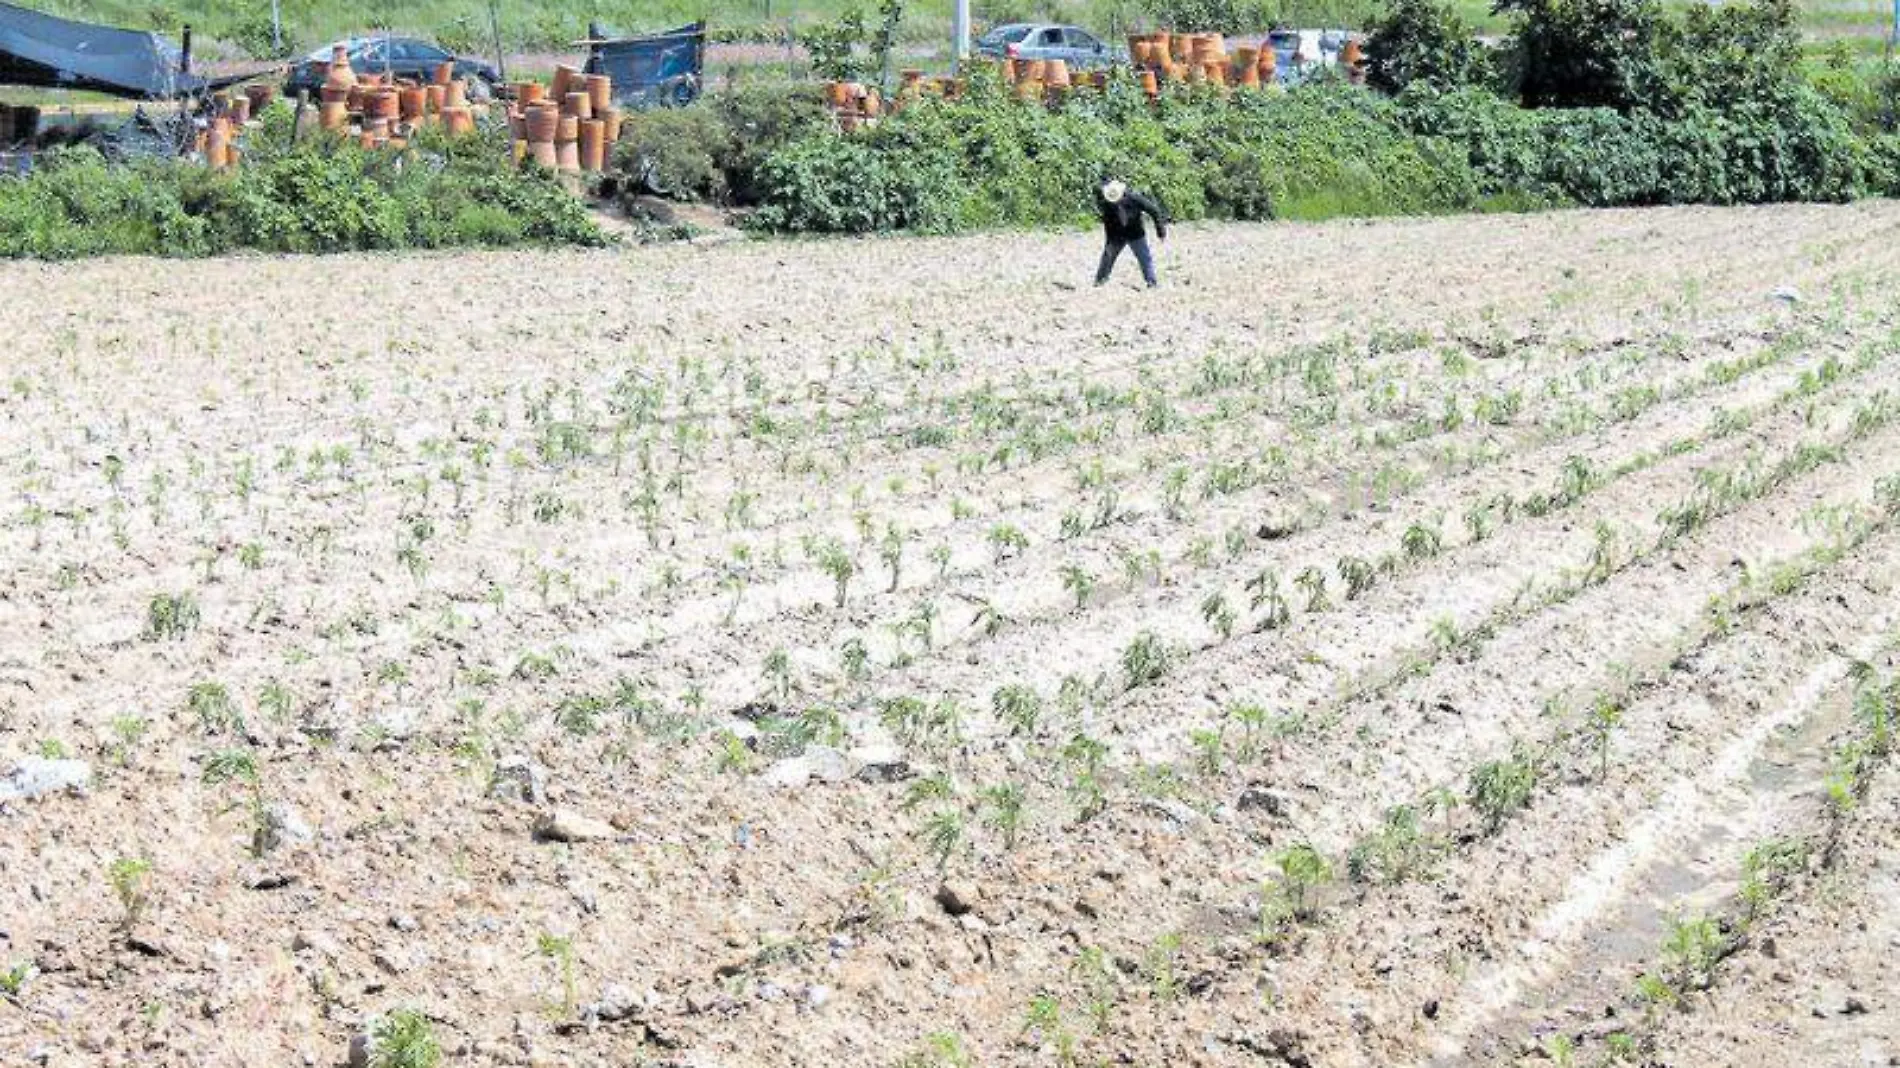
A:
x: 1605, y: 717
x: 131, y: 879
x: 943, y: 1049
x: 1267, y: 599
x: 1018, y: 706
x: 404, y: 1039
x: 1421, y: 542
x: 1006, y: 541
x: 1312, y: 581
x: 1005, y: 803
x: 1398, y: 851
x: 1501, y: 788
x: 211, y: 704
x: 1158, y: 964
x: 1146, y: 659
x: 1690, y: 952
x: 833, y: 560
x: 891, y: 551
x: 1079, y: 582
x: 855, y: 658
x: 560, y: 950
x: 170, y: 616
x: 943, y: 834
x: 1767, y: 869
x: 1044, y: 1018
x: 1358, y: 574
x: 1302, y: 871
x: 13, y: 979
x: 1218, y: 615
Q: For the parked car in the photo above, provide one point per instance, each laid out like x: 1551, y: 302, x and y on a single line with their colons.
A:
x: 1041, y: 40
x: 404, y: 57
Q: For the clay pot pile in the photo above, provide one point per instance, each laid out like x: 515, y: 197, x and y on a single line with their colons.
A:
x: 914, y: 85
x: 569, y: 125
x: 1049, y: 80
x: 384, y: 113
x: 217, y: 142
x: 1198, y: 59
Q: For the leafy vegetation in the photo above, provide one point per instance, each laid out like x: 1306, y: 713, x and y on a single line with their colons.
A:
x: 321, y: 195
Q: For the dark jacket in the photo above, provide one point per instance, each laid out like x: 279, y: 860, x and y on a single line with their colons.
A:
x: 1121, y: 221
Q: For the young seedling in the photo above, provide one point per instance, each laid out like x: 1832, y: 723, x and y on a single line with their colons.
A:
x: 833, y: 560
x: 1312, y: 581
x: 1004, y: 804
x: 1267, y: 599
x: 1209, y: 747
x: 560, y: 950
x: 211, y: 704
x: 404, y: 1039
x: 1146, y: 659
x: 131, y: 879
x: 1501, y: 788
x: 1006, y: 541
x: 1018, y: 706
x: 891, y: 551
x: 170, y: 616
x: 1303, y: 870
x: 1359, y: 575
x: 1605, y: 717
x: 855, y: 658
x: 1079, y: 582
x: 943, y: 834
x: 1044, y: 1019
x: 1218, y: 615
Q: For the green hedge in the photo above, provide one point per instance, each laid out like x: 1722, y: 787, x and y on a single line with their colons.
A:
x: 322, y: 195
x: 988, y: 161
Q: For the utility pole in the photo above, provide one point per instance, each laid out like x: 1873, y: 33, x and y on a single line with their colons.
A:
x: 277, y: 28
x: 960, y: 34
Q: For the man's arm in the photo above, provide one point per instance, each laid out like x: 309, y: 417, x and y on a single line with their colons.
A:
x: 1154, y: 210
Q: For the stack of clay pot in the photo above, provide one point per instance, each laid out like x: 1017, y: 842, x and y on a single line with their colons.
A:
x: 1353, y: 58
x: 855, y: 104
x: 1198, y: 58
x: 569, y: 125
x: 914, y: 85
x: 379, y: 112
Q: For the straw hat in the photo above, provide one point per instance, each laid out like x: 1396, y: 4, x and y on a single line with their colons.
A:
x: 1112, y: 191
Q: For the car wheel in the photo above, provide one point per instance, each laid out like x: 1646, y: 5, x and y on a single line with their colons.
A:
x: 684, y: 92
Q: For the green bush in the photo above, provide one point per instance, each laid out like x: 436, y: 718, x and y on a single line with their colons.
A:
x: 1424, y: 41
x: 712, y: 150
x: 321, y: 195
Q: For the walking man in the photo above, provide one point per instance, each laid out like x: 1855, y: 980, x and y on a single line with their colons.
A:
x: 1121, y: 209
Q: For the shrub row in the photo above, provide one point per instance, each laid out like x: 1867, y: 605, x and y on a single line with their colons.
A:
x: 320, y: 195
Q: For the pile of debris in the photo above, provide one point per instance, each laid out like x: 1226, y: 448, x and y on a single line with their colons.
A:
x: 569, y: 126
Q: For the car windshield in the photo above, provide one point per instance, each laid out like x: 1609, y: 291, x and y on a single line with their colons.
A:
x: 1006, y: 35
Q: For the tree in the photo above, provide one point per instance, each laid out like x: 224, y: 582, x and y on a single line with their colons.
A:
x: 1424, y: 41
x: 1584, y: 53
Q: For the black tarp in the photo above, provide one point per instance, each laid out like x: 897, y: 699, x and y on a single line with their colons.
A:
x: 40, y: 50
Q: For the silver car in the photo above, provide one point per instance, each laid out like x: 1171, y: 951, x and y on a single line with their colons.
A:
x: 1047, y: 40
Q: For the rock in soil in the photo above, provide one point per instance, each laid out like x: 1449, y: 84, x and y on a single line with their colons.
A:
x: 561, y: 825
x: 36, y: 777
x: 958, y: 897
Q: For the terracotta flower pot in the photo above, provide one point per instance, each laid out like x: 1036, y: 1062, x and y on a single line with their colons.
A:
x: 1269, y: 66
x: 455, y: 94
x: 217, y: 143
x: 593, y: 145
x: 331, y: 115
x: 340, y: 74
x: 1150, y: 84
x: 578, y: 104
x: 433, y: 97
x: 386, y: 104
x: 600, y: 93
x: 240, y: 111
x: 415, y: 103
x: 543, y: 122
x: 1055, y: 73
x: 366, y: 141
x: 568, y: 131
x: 530, y: 92
x: 872, y: 104
x: 260, y: 97
x: 458, y: 120
x: 334, y: 94
x: 1351, y: 54
x: 444, y: 73
x: 837, y: 94
x: 611, y: 117
x: 567, y: 156
x: 544, y: 153
x: 565, y: 79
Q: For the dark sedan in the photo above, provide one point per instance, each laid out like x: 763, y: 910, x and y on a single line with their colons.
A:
x: 404, y: 57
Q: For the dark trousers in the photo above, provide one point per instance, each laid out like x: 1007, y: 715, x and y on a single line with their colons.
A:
x: 1112, y: 251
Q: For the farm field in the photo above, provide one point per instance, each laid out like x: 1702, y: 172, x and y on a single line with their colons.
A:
x: 1425, y: 642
